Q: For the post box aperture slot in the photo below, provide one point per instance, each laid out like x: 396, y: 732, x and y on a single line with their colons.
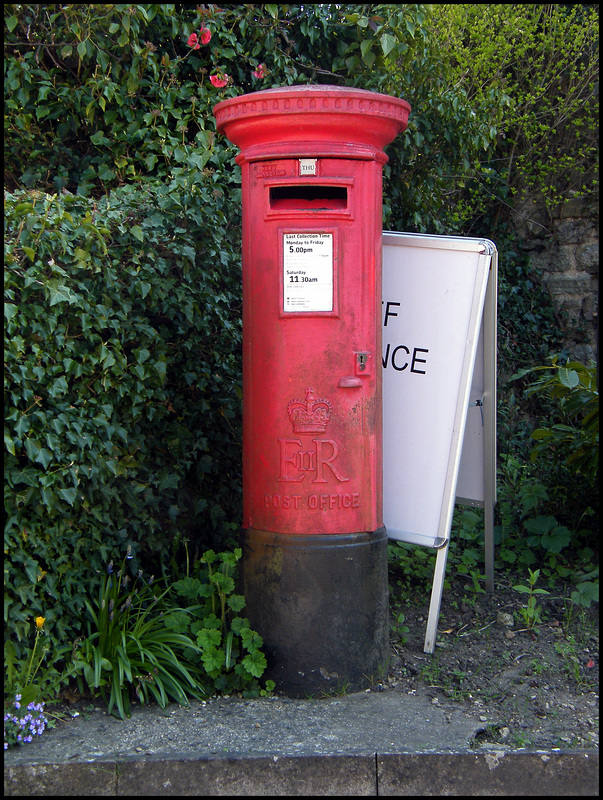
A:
x: 308, y: 196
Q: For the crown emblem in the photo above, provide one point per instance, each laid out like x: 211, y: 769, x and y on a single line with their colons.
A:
x: 309, y: 415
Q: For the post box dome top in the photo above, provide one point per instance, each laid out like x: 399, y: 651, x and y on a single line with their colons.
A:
x: 312, y: 120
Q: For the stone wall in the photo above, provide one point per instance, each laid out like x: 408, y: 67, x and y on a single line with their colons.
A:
x: 564, y: 247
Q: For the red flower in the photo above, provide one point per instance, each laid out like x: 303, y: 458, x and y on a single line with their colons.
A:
x: 193, y: 41
x: 218, y: 81
x: 260, y: 72
x: 205, y: 34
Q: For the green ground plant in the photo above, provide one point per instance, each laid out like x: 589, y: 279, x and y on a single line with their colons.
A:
x: 568, y: 650
x: 229, y: 649
x: 20, y: 677
x: 34, y: 675
x: 531, y: 612
x: 574, y: 440
x: 150, y: 641
x: 526, y: 534
x: 130, y: 644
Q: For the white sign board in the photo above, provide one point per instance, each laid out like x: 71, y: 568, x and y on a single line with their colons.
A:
x: 434, y: 288
x: 308, y: 272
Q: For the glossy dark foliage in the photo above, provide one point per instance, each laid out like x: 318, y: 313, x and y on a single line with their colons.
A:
x: 122, y: 384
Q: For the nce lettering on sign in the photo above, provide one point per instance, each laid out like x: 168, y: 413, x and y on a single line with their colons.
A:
x: 400, y: 356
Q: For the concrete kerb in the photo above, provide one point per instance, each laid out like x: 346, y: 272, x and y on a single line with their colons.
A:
x: 366, y: 743
x: 474, y: 774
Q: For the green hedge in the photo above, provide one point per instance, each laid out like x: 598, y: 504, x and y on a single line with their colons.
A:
x: 122, y: 384
x: 121, y: 97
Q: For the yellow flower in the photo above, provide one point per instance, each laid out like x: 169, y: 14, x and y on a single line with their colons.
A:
x: 40, y: 622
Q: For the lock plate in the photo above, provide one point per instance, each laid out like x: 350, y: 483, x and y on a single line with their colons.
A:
x: 363, y: 364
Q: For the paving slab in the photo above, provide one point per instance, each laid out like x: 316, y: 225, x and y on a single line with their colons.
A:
x: 365, y: 743
x: 364, y: 722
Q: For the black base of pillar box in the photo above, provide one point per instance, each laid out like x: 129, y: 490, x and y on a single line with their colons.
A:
x: 321, y: 605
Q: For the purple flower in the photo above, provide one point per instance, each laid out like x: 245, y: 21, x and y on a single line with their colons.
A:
x: 22, y: 729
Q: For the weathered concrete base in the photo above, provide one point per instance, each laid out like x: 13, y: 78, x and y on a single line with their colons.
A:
x: 320, y: 603
x: 475, y: 774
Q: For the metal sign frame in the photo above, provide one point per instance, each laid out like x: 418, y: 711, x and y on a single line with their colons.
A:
x: 476, y: 393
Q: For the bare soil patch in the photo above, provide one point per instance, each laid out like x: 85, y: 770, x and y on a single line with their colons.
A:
x: 533, y: 688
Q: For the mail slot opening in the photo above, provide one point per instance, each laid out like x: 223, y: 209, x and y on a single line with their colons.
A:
x: 317, y: 197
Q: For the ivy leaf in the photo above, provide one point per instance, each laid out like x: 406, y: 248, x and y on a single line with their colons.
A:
x: 105, y: 174
x: 60, y: 293
x: 32, y: 448
x: 8, y: 443
x: 68, y: 494
x: 239, y: 624
x: 251, y: 640
x: 44, y: 457
x: 177, y: 621
x: 559, y: 538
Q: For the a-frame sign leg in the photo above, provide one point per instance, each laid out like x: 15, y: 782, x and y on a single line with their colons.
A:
x: 436, y: 598
x: 489, y: 544
x: 489, y: 324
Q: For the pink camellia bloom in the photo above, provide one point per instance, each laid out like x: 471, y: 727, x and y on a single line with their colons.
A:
x: 217, y: 81
x: 260, y: 72
x: 205, y: 34
x: 193, y: 41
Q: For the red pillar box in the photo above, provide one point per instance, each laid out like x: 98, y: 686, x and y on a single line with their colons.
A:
x: 311, y: 160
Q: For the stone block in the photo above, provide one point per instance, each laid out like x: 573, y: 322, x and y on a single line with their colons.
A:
x: 484, y: 774
x: 97, y: 779
x: 587, y: 258
x: 269, y: 775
